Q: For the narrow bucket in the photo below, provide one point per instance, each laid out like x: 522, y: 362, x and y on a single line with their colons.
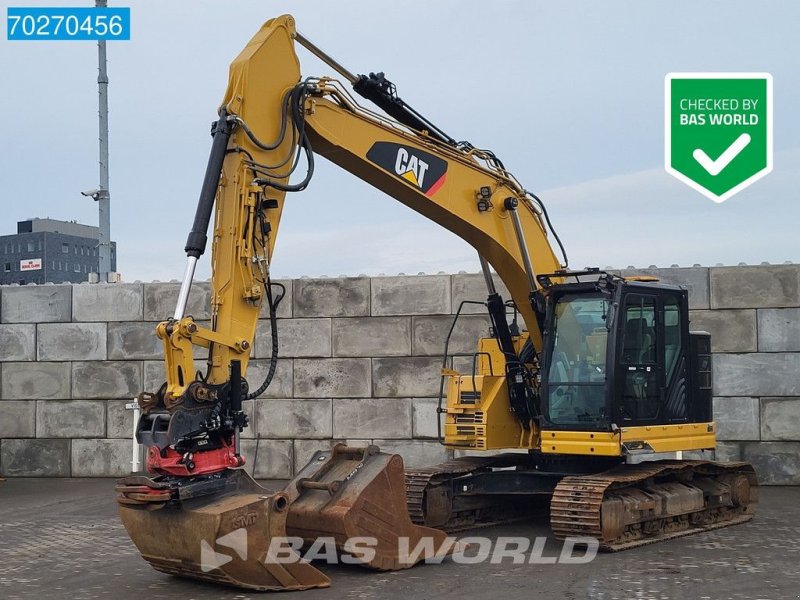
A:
x: 359, y: 493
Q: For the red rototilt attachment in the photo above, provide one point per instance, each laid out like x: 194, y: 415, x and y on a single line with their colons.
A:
x: 360, y: 493
x: 226, y: 528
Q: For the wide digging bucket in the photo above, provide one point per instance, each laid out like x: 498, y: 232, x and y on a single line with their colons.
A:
x: 346, y: 493
x: 213, y: 528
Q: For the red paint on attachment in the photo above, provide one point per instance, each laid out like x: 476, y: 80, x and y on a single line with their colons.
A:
x: 208, y: 461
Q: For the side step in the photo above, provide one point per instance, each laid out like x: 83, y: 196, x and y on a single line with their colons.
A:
x: 219, y: 527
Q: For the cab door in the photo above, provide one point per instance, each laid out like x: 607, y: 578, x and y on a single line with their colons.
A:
x: 651, y: 384
x: 639, y: 381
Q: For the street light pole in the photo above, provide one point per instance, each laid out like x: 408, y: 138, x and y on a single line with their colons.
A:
x: 103, y: 195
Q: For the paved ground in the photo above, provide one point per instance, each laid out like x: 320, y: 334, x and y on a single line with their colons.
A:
x: 62, y: 539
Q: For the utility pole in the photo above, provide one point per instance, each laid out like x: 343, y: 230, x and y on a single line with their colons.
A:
x: 103, y: 195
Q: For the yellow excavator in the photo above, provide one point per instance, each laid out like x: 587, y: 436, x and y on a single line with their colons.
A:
x: 581, y: 373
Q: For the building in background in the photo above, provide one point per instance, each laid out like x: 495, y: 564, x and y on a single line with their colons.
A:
x: 48, y: 250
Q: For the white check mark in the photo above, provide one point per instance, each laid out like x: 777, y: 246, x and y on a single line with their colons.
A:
x: 714, y: 167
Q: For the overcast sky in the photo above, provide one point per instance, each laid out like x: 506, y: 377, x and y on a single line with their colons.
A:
x: 568, y: 94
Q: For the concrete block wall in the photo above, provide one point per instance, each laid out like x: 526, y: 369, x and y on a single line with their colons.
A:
x: 360, y: 362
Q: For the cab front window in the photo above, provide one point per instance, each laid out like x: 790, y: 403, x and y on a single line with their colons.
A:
x: 577, y: 368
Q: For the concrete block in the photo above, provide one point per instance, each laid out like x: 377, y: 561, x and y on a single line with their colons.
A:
x: 339, y: 297
x: 249, y: 408
x: 756, y: 374
x: 35, y: 458
x: 430, y: 334
x: 416, y: 453
x: 119, y: 420
x: 372, y: 336
x: 160, y: 300
x: 109, y: 379
x: 694, y: 278
x: 308, y: 419
x: 780, y: 419
x: 416, y: 295
x: 332, y: 378
x: 472, y: 286
x: 17, y: 419
x: 736, y: 418
x: 134, y: 340
x: 296, y: 338
x: 273, y: 459
x: 776, y: 463
x: 773, y: 286
x: 36, y: 304
x: 404, y: 377
x: 728, y: 452
x: 463, y: 364
x: 71, y: 341
x: 35, y: 380
x: 101, y: 458
x: 304, y: 450
x: 388, y: 418
x: 107, y: 302
x: 70, y: 418
x: 154, y: 374
x: 248, y: 450
x: 17, y: 342
x: 779, y: 330
x: 284, y: 306
x: 424, y: 417
x: 731, y: 330
x: 282, y: 382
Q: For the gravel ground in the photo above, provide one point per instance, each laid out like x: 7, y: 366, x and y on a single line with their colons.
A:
x: 61, y: 538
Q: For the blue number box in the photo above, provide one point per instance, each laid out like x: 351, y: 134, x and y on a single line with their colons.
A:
x: 68, y: 23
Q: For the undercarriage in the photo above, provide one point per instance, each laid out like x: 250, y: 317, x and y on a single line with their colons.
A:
x: 624, y: 506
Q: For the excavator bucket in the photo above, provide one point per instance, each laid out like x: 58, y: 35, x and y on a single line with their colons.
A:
x: 227, y: 529
x: 217, y: 530
x: 359, y: 493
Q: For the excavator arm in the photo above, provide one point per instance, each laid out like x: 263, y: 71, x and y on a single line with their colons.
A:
x: 269, y: 118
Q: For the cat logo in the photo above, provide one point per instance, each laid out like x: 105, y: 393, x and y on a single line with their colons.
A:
x: 420, y: 169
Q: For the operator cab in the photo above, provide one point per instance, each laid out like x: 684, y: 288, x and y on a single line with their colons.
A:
x: 619, y: 353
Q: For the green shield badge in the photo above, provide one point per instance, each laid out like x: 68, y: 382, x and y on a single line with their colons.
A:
x: 718, y: 130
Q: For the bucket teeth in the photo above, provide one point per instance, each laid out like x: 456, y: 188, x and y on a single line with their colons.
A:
x: 220, y: 527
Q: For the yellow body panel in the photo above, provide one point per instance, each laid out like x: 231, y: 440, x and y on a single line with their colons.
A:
x: 588, y: 443
x: 655, y: 438
x: 482, y: 420
x: 674, y: 438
